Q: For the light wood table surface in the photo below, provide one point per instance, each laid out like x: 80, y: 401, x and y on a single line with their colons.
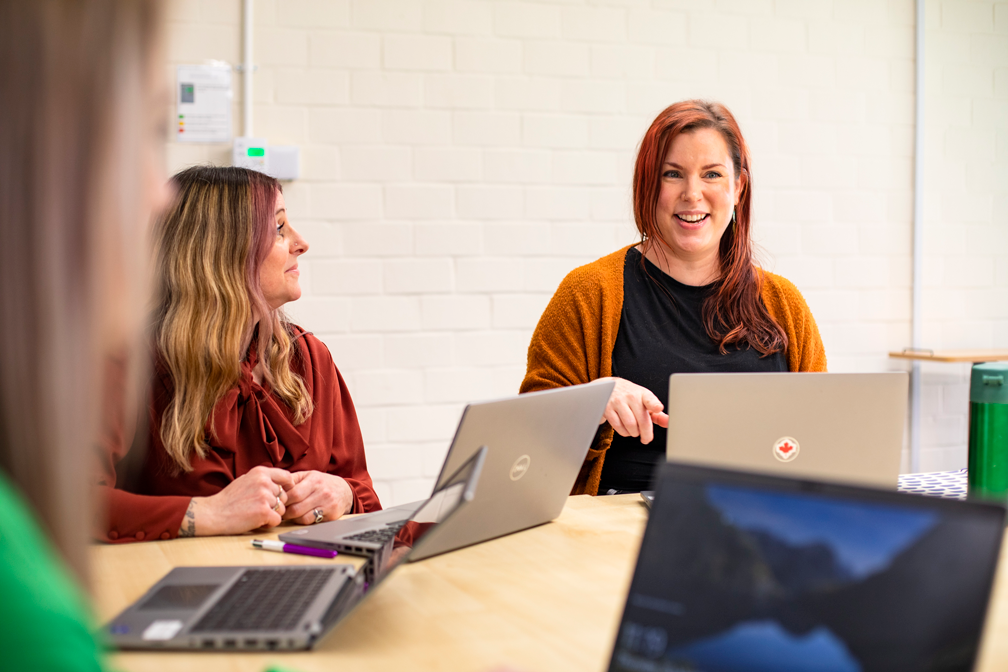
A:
x: 546, y: 599
x: 973, y: 356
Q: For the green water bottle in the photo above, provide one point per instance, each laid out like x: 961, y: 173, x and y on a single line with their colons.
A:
x: 988, y: 431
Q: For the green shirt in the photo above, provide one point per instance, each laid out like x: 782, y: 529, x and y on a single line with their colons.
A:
x: 44, y: 623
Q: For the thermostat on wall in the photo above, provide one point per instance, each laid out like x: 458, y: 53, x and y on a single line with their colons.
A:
x: 281, y: 162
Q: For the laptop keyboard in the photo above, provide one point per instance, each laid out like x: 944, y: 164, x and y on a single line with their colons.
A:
x: 378, y: 536
x: 264, y: 600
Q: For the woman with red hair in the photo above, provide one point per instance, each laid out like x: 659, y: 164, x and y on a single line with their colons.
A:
x: 686, y: 299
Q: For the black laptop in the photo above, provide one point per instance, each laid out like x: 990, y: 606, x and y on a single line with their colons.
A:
x: 749, y: 573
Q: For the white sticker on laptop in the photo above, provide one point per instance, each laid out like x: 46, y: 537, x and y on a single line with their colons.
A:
x: 786, y: 449
x: 159, y: 631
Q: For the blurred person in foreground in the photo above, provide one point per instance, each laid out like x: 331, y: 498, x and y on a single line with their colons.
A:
x: 687, y: 298
x: 80, y: 130
x: 250, y: 421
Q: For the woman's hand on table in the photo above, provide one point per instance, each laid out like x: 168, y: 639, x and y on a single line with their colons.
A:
x: 253, y: 500
x: 634, y: 410
x: 317, y: 490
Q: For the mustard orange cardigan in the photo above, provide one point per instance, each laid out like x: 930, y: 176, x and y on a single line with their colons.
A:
x: 573, y: 342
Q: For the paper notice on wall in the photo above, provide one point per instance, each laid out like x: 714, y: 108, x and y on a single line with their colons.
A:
x: 204, y: 98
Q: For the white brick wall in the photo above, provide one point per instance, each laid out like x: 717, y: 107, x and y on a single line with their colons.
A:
x: 460, y: 157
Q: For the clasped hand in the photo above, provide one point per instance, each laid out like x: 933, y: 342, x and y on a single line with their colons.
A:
x: 634, y: 410
x: 266, y: 496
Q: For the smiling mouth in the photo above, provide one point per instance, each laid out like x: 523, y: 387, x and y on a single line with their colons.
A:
x: 693, y: 220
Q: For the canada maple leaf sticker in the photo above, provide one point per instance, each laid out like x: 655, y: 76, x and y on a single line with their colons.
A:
x: 786, y: 449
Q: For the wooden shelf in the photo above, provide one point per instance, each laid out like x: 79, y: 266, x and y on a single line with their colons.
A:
x: 974, y: 356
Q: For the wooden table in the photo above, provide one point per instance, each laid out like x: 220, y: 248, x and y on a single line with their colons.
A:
x: 973, y: 356
x: 546, y: 599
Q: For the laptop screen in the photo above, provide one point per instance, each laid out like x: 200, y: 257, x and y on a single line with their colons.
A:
x: 746, y: 572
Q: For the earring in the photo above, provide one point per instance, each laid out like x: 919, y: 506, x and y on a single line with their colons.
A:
x: 733, y: 220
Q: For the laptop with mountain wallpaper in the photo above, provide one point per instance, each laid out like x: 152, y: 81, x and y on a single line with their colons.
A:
x: 748, y: 572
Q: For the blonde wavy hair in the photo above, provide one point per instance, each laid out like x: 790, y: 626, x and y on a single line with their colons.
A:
x: 209, y: 306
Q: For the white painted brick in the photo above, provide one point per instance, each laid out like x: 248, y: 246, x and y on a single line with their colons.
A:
x: 616, y: 132
x: 314, y: 13
x: 593, y: 96
x: 344, y: 201
x: 621, y: 61
x: 489, y: 274
x: 458, y: 385
x: 527, y: 94
x: 830, y: 37
x: 386, y: 89
x: 967, y: 334
x: 283, y: 125
x: 862, y: 271
x: 832, y: 305
x: 526, y: 239
x: 589, y: 240
x: 375, y: 163
x: 456, y: 312
x: 584, y: 168
x: 447, y: 164
x: 383, y: 387
x: 182, y: 10
x: 597, y: 24
x: 819, y: 238
x: 807, y: 271
x: 387, y: 15
x: 487, y: 56
x: 372, y: 423
x: 275, y: 46
x: 967, y: 17
x: 407, y: 201
x: 557, y: 131
x: 455, y: 239
x: 457, y: 91
x: 526, y: 19
x: 987, y: 304
x: 824, y: 172
x: 458, y: 17
x: 780, y: 239
x: 805, y: 9
x: 489, y: 202
x: 557, y: 58
x: 417, y: 52
x: 416, y: 127
x: 411, y: 351
x: 492, y: 348
x: 385, y: 314
x: 709, y: 29
x: 411, y: 490
x: 378, y: 239
x: 486, y: 128
x: 545, y: 273
x: 344, y: 49
x: 343, y: 125
x: 311, y: 87
x: 418, y: 276
x: 320, y: 314
x: 197, y: 43
x: 516, y: 166
x: 969, y: 271
x: 838, y: 106
x: 558, y: 203
x: 613, y: 205
x: 353, y: 352
x: 347, y: 276
x: 394, y: 461
x: 518, y: 311
x: 656, y: 27
x: 802, y: 206
x: 320, y: 162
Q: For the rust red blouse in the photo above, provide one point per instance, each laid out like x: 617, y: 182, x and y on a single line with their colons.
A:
x: 253, y: 428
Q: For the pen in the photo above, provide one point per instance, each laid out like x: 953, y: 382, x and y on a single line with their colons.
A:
x: 281, y: 547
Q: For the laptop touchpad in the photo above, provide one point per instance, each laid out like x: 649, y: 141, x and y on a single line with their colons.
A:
x: 184, y: 597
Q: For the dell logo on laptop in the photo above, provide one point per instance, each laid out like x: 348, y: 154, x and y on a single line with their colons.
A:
x: 520, y: 467
x: 786, y: 449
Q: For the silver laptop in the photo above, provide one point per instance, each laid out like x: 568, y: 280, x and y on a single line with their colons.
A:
x: 277, y: 607
x: 845, y: 427
x: 536, y: 445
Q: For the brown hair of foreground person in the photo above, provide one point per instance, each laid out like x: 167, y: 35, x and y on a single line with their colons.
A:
x: 76, y: 126
x: 733, y: 313
x: 210, y: 246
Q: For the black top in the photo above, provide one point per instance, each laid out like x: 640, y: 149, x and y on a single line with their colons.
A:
x: 661, y: 332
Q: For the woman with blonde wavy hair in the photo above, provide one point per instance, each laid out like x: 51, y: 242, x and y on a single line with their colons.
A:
x: 250, y: 422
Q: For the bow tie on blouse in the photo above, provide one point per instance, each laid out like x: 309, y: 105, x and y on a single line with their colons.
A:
x: 249, y: 415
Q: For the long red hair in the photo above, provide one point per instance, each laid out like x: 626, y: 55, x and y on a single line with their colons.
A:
x: 733, y: 313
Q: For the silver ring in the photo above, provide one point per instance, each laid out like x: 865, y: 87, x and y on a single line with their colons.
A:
x: 276, y: 507
x: 319, y: 515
